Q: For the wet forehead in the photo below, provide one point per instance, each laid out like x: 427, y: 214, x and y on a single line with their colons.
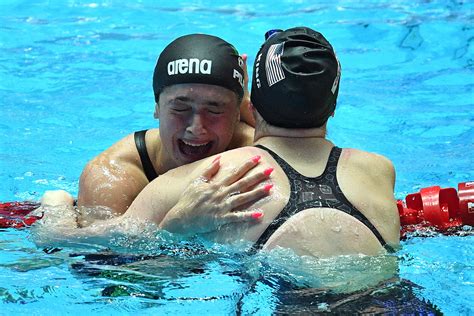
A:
x: 199, y: 93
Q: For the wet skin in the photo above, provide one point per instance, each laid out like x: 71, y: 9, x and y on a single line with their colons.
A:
x: 196, y: 121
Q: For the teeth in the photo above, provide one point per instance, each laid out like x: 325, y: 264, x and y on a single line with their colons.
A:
x: 194, y: 145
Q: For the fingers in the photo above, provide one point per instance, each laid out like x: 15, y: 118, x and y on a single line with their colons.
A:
x: 249, y: 181
x: 240, y: 199
x: 211, y: 170
x: 239, y: 172
x: 244, y: 216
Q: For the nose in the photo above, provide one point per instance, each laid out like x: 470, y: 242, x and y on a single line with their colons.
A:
x: 197, y: 125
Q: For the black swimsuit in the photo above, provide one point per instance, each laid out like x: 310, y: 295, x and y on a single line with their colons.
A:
x: 306, y: 192
x: 144, y: 158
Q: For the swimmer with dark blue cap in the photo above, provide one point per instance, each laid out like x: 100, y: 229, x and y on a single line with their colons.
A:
x: 198, y: 83
x: 323, y: 200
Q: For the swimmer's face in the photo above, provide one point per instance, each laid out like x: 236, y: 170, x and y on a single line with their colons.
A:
x: 196, y: 121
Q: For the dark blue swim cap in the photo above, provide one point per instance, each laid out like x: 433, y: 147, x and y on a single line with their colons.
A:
x: 296, y: 79
x: 199, y: 58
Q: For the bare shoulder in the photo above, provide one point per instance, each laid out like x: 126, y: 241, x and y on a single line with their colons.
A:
x: 370, y: 164
x: 113, y: 178
x: 119, y: 155
x: 367, y: 180
x: 123, y: 154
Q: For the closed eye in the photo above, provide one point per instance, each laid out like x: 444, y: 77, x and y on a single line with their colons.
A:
x: 180, y: 109
x: 215, y: 112
x: 180, y: 104
x: 215, y: 107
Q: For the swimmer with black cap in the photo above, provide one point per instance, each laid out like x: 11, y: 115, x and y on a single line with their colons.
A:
x: 199, y: 82
x: 324, y: 200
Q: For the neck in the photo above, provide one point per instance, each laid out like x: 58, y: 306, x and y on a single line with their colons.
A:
x: 265, y: 130
x: 293, y: 143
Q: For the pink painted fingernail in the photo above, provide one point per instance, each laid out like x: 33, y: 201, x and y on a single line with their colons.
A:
x: 256, y: 158
x: 216, y: 159
x: 268, y: 187
x: 268, y: 171
x: 257, y: 215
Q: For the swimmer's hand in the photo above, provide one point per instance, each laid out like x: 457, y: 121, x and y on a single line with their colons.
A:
x: 58, y: 218
x: 57, y: 198
x: 205, y: 205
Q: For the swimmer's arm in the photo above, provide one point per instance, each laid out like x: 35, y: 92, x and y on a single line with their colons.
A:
x: 200, y: 208
x: 186, y: 204
x: 205, y: 204
x: 107, y: 185
x: 382, y: 174
x: 51, y: 233
x: 58, y: 226
x: 368, y: 181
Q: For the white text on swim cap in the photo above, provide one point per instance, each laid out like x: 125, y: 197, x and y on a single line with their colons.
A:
x: 239, y: 77
x: 338, y: 76
x: 257, y: 68
x: 190, y: 66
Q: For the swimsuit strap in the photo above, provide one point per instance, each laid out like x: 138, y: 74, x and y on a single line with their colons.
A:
x: 329, y: 188
x: 144, y: 158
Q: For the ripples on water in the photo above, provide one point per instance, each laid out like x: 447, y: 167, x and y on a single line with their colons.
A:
x: 185, y: 275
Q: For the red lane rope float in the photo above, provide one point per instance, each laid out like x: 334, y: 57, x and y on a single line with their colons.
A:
x: 443, y: 209
x: 16, y: 214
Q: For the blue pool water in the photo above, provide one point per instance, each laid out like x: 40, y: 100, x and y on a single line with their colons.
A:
x: 75, y: 76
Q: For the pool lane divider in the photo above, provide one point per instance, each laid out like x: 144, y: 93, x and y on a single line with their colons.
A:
x: 17, y: 214
x: 444, y: 209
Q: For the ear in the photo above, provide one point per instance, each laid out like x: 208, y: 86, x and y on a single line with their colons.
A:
x: 156, y: 114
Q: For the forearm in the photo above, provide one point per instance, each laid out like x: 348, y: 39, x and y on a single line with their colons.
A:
x: 60, y: 230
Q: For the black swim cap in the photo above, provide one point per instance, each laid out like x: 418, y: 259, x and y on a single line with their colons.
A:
x: 296, y: 79
x: 199, y: 58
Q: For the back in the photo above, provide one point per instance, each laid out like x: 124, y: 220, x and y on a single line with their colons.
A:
x: 365, y: 179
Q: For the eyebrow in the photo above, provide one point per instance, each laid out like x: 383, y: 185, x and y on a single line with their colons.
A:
x: 215, y: 103
x: 182, y: 98
x: 209, y: 103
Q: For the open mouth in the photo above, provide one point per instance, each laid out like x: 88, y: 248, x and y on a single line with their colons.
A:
x: 195, y: 151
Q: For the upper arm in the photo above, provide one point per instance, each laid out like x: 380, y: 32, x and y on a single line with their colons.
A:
x: 115, y: 186
x: 382, y: 174
x: 368, y: 182
x: 157, y: 198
